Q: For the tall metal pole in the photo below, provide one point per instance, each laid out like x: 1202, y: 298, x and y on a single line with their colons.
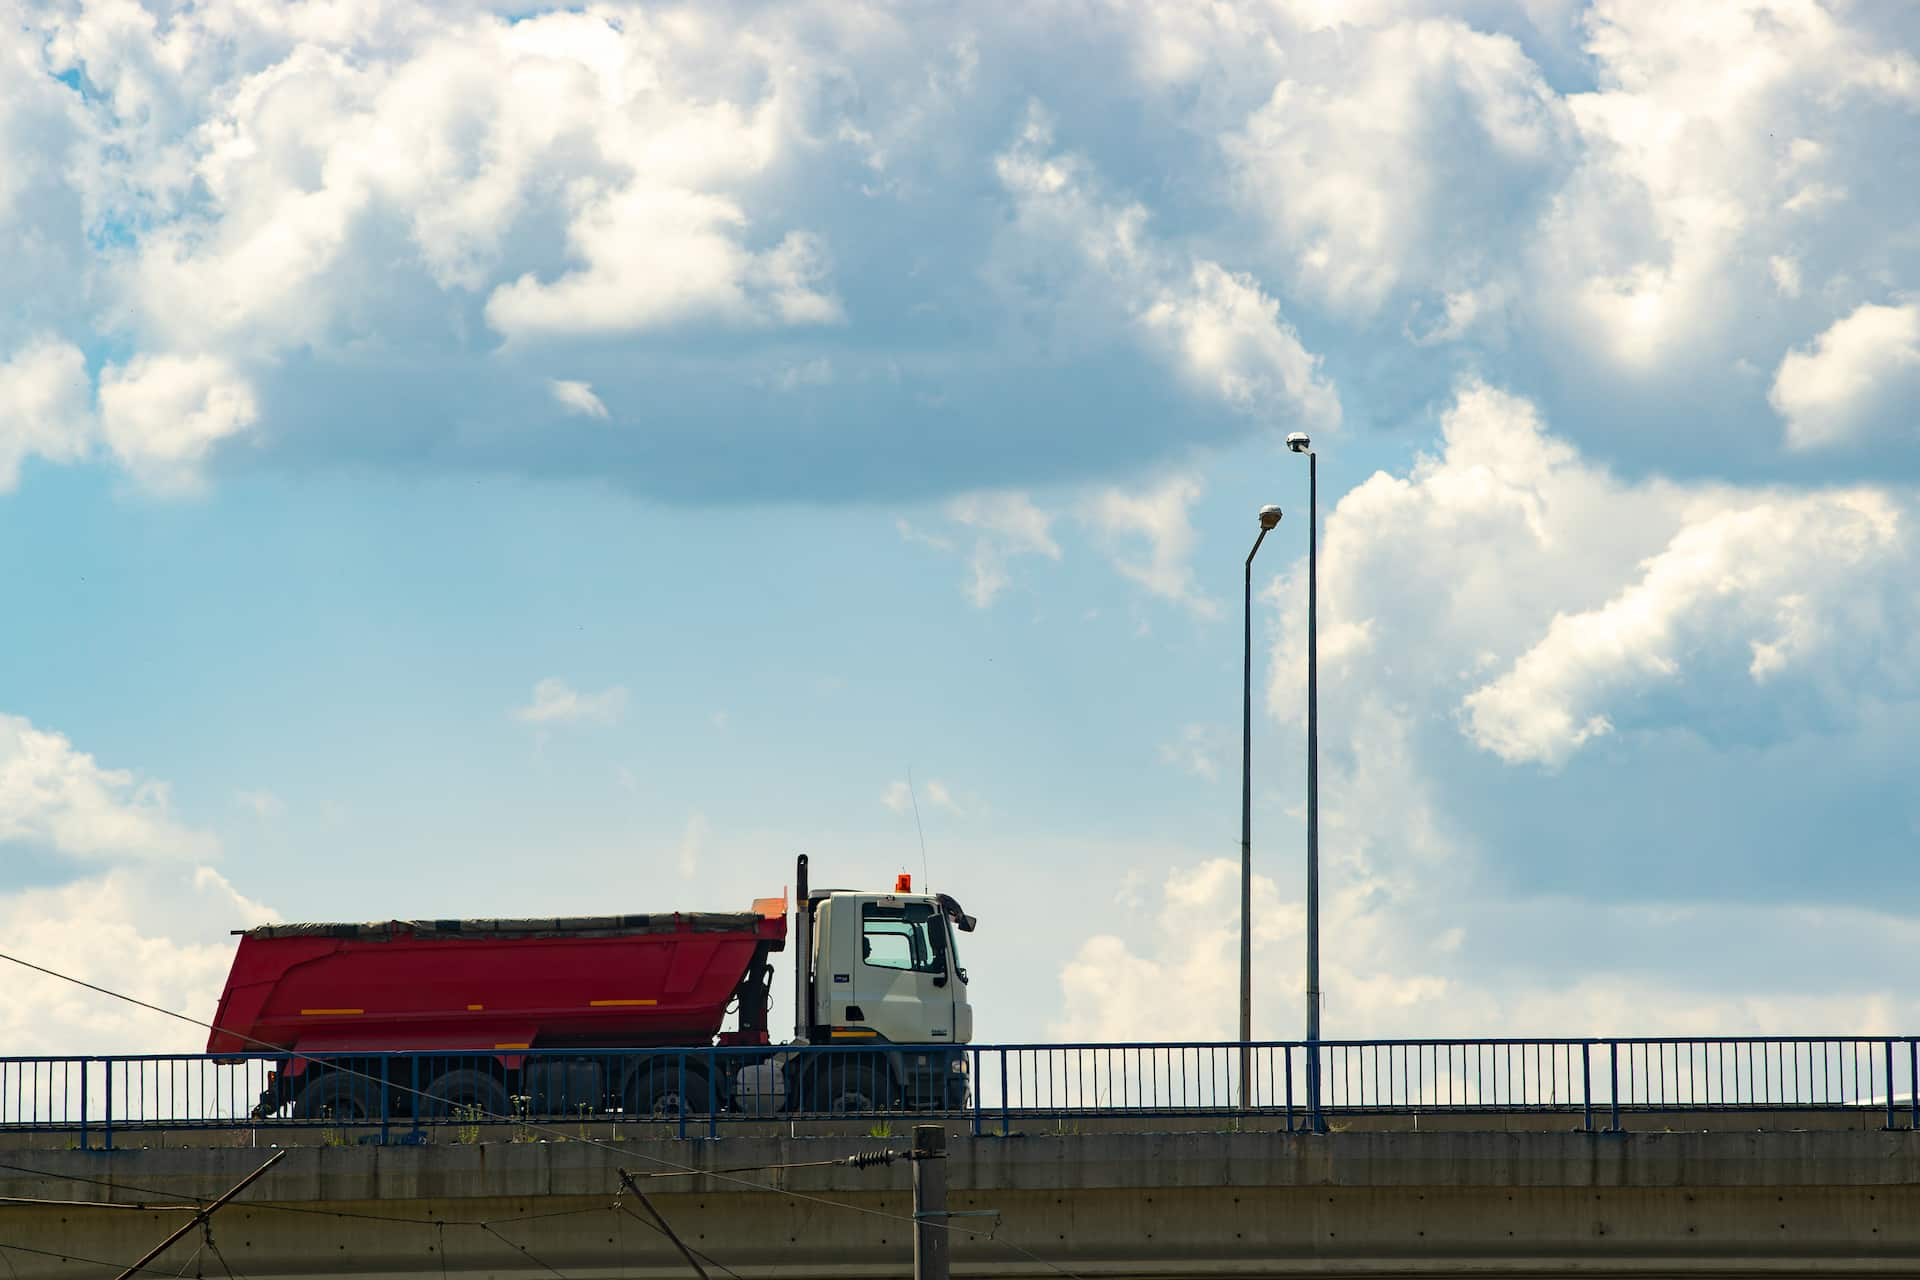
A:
x: 930, y: 1233
x: 1313, y: 787
x: 1269, y: 517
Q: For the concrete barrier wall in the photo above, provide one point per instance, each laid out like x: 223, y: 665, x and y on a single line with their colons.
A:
x: 1174, y: 1204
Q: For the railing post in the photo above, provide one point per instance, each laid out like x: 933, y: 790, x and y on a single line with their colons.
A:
x: 681, y: 1059
x: 84, y: 1143
x: 1913, y: 1082
x: 1289, y: 1073
x: 1613, y: 1070
x: 386, y: 1097
x: 1006, y: 1119
x: 1316, y: 1118
x: 416, y: 1134
x: 973, y: 1087
x: 713, y: 1092
x: 106, y: 1069
x: 1889, y: 1083
x: 1586, y: 1083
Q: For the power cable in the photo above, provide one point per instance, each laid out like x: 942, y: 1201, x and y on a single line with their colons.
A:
x: 185, y: 1202
x: 72, y: 1257
x: 216, y: 1246
x: 530, y: 1255
x: 373, y: 1079
x: 101, y: 1204
x: 864, y: 1157
x: 532, y: 1125
x: 666, y: 1228
x: 627, y: 1209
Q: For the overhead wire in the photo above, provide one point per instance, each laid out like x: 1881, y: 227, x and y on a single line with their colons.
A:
x: 531, y: 1256
x: 75, y: 1257
x: 657, y: 1229
x: 215, y: 1246
x: 440, y: 1224
x: 100, y: 1204
x: 683, y: 1169
x: 368, y: 1076
x: 186, y: 1202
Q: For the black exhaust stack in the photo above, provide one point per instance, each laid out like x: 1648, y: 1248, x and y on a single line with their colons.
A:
x: 803, y: 956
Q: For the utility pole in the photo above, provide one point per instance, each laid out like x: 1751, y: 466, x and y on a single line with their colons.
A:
x: 198, y: 1218
x: 930, y: 1233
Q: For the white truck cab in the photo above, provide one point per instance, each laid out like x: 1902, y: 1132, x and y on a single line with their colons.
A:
x: 883, y: 970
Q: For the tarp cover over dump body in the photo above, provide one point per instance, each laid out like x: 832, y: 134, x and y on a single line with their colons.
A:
x: 601, y: 981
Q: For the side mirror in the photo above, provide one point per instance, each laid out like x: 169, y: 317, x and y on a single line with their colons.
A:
x: 940, y: 980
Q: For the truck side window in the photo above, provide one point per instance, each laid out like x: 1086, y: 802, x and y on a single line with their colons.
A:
x: 907, y: 937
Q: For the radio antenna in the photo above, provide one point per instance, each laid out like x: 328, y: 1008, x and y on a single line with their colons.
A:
x: 913, y: 794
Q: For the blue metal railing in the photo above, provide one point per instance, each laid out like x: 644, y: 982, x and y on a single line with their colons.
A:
x: 690, y: 1092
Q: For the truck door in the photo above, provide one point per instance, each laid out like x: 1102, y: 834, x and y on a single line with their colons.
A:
x: 903, y: 980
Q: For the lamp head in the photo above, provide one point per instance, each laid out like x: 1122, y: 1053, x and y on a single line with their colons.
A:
x: 1298, y: 442
x: 1269, y: 516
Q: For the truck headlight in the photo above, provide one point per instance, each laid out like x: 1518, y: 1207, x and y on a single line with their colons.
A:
x: 958, y: 1066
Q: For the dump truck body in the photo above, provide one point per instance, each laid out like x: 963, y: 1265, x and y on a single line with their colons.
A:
x: 624, y: 981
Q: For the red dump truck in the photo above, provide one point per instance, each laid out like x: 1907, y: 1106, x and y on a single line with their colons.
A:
x: 593, y: 1014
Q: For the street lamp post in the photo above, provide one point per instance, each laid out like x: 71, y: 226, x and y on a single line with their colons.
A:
x: 1299, y: 443
x: 1269, y: 517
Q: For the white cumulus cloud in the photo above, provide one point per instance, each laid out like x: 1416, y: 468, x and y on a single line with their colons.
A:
x: 1857, y: 380
x: 1220, y: 331
x: 576, y: 397
x: 1403, y: 156
x: 58, y: 797
x: 1161, y: 516
x: 557, y: 702
x: 157, y: 935
x: 1005, y: 525
x: 162, y: 415
x: 46, y: 407
x: 1511, y: 582
x: 1740, y: 571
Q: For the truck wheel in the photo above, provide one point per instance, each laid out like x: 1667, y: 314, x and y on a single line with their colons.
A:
x: 466, y: 1092
x: 654, y: 1091
x: 852, y: 1088
x: 338, y: 1096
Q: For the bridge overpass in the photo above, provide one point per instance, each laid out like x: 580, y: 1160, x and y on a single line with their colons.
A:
x: 1732, y: 1194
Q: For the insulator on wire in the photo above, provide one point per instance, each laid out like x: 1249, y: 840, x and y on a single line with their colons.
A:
x: 868, y: 1159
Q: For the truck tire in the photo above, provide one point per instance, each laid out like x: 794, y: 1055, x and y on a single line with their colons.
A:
x: 463, y: 1092
x: 338, y: 1096
x: 857, y: 1086
x: 653, y: 1091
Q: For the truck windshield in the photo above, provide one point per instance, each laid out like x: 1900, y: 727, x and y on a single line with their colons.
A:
x: 911, y: 936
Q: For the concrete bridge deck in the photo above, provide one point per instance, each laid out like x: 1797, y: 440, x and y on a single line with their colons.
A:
x: 1837, y: 1201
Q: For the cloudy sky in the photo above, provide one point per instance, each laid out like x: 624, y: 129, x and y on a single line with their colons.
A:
x: 457, y: 462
